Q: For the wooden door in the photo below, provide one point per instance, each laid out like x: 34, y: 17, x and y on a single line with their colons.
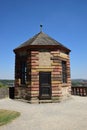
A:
x: 45, y: 85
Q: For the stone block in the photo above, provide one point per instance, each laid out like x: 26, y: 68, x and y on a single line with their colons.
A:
x: 34, y: 52
x: 34, y: 64
x: 34, y: 58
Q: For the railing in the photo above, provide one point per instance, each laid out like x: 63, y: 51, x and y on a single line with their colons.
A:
x: 79, y: 90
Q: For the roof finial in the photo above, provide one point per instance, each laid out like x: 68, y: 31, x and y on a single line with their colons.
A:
x: 41, y: 27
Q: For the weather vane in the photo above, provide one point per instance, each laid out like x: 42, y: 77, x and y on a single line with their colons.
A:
x: 41, y: 27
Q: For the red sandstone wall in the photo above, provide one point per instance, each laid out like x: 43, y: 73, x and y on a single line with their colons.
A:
x: 31, y: 88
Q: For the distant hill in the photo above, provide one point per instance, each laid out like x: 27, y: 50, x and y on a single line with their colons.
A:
x: 75, y: 82
x: 81, y: 82
x: 6, y: 82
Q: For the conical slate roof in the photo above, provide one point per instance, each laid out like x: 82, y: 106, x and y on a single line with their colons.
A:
x: 41, y: 39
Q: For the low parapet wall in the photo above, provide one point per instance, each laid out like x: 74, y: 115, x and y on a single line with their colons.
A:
x: 4, y: 92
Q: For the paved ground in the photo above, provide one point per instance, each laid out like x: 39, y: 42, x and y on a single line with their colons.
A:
x: 68, y: 115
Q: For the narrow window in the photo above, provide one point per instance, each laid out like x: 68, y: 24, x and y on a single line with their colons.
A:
x: 23, y: 72
x: 64, y: 72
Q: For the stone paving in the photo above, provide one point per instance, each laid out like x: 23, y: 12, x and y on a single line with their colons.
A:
x: 68, y: 115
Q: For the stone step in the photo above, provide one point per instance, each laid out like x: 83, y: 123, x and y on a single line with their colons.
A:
x: 45, y: 101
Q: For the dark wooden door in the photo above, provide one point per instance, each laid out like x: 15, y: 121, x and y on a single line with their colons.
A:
x: 11, y: 92
x: 45, y: 85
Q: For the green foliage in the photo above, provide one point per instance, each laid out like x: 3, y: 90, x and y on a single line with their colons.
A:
x: 79, y: 82
x: 0, y: 85
x: 5, y: 83
x: 75, y: 83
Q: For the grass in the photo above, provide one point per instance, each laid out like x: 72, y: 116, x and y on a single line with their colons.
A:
x: 7, y: 116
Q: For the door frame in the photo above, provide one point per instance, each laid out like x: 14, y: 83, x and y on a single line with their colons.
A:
x: 50, y: 87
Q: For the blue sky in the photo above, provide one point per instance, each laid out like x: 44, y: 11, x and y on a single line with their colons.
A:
x: 64, y: 20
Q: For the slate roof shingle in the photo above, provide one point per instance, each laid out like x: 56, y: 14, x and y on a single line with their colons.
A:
x: 41, y: 39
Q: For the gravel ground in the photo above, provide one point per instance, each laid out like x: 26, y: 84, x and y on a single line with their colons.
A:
x: 68, y: 115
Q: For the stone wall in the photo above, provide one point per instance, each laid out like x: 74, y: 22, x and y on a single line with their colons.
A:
x: 4, y: 92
